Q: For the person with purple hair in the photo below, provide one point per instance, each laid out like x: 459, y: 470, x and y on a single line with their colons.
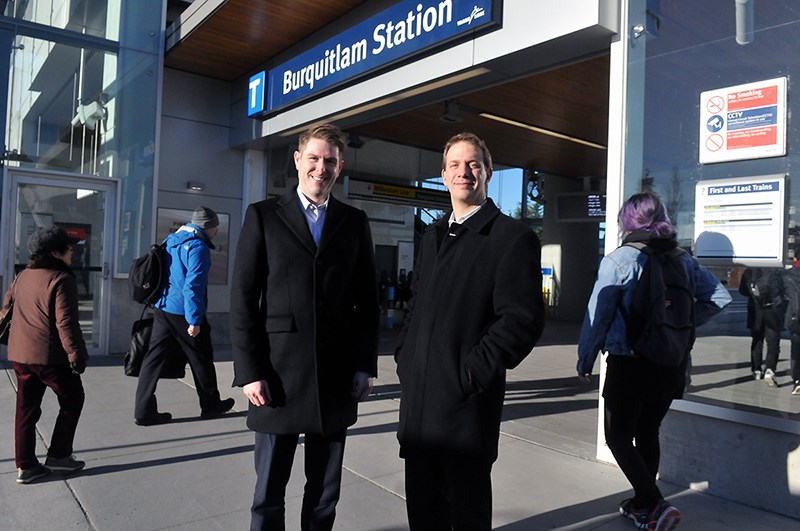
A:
x: 637, y: 393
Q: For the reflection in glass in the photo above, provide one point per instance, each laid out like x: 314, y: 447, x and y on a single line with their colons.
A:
x: 80, y: 213
x: 694, y: 50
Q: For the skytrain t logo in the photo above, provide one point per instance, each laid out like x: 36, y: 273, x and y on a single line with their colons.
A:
x: 255, y: 93
x: 477, y: 12
x: 407, y: 29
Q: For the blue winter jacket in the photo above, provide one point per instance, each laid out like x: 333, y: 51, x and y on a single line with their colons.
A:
x: 604, y: 324
x: 190, y: 260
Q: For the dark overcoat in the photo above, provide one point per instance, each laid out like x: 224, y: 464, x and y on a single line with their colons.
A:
x: 476, y: 311
x: 303, y: 318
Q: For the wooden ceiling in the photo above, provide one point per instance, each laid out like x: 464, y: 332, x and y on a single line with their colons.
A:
x: 242, y: 35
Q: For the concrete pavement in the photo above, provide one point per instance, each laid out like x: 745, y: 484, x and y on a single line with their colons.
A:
x: 198, y: 475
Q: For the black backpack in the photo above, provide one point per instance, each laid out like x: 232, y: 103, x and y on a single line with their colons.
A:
x: 660, y: 325
x: 149, y: 275
x: 760, y: 287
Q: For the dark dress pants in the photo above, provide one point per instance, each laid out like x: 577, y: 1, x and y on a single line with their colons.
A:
x: 169, y: 331
x: 274, y: 455
x: 32, y: 381
x: 445, y: 491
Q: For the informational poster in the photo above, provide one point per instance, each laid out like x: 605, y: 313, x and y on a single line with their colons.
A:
x: 171, y: 219
x: 743, y: 122
x: 741, y: 220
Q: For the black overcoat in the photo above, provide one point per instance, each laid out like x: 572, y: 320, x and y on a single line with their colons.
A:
x: 303, y: 318
x: 476, y: 309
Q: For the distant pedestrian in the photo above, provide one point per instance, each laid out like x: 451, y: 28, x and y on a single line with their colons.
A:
x: 476, y: 311
x: 180, y: 314
x: 46, y: 349
x: 792, y: 285
x: 766, y: 310
x: 637, y: 393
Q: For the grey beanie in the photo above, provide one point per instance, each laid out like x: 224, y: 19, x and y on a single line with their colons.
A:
x: 205, y: 218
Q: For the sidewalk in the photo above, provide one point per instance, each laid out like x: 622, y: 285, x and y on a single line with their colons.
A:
x: 198, y: 475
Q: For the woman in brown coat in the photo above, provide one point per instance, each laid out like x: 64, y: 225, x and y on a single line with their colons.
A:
x: 46, y: 348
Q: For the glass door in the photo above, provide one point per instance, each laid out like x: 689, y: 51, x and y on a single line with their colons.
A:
x: 84, y: 207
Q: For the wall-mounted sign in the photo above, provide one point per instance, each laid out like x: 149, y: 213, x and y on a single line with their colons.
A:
x: 743, y: 122
x: 740, y: 220
x: 398, y: 33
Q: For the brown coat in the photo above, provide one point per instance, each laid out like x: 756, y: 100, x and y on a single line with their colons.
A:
x: 45, y: 328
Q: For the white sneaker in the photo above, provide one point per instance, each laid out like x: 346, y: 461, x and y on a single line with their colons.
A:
x: 769, y: 376
x: 758, y: 375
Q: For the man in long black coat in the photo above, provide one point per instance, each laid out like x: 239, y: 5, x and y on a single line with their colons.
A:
x: 304, y: 331
x: 476, y: 310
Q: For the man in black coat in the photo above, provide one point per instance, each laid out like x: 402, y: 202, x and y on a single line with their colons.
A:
x: 304, y: 330
x: 476, y: 310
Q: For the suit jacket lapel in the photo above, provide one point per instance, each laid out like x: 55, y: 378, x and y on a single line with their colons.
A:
x: 291, y: 212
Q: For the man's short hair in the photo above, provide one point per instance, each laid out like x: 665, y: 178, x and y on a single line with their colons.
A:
x: 327, y: 132
x: 472, y: 139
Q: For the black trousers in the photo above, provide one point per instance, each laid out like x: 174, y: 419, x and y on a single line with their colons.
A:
x: 627, y: 421
x: 274, y: 455
x: 168, y: 330
x: 448, y: 492
x: 773, y: 338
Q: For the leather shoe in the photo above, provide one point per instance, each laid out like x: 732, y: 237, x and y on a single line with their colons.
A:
x: 220, y: 408
x: 158, y: 418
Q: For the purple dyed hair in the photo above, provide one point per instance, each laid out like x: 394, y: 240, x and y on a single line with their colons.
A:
x: 645, y: 212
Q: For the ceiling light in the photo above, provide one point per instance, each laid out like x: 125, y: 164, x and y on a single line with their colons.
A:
x: 541, y: 130
x: 195, y: 185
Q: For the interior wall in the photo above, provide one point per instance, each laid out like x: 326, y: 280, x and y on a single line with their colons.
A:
x: 571, y: 249
x: 194, y: 146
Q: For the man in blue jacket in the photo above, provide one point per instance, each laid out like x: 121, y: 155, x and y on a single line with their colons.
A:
x: 180, y: 317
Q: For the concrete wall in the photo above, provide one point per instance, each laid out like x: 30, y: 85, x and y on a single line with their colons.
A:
x: 751, y: 465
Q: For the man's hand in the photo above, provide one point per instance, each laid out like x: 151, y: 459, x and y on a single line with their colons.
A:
x: 585, y: 378
x: 362, y: 385
x: 193, y: 330
x: 257, y: 393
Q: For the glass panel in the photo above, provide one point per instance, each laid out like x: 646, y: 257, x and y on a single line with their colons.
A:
x: 81, y: 213
x: 80, y: 110
x: 137, y: 22
x: 692, y: 47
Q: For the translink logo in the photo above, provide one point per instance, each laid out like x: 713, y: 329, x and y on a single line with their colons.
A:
x: 477, y: 12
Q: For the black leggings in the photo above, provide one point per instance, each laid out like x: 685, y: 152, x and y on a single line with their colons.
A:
x: 627, y: 421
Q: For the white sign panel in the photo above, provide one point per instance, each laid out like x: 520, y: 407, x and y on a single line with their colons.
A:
x: 740, y: 220
x: 743, y: 122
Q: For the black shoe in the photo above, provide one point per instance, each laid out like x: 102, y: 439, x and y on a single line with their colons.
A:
x: 158, y: 418
x: 65, y: 464
x: 220, y: 408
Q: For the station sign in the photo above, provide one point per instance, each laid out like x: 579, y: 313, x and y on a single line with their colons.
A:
x: 743, y: 122
x: 396, y: 34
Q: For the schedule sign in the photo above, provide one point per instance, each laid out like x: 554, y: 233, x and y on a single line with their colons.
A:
x: 743, y: 122
x: 740, y: 220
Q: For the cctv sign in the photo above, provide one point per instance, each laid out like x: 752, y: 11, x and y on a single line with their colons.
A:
x: 743, y: 122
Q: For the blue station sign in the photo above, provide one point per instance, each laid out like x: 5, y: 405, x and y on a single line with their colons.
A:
x: 398, y: 33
